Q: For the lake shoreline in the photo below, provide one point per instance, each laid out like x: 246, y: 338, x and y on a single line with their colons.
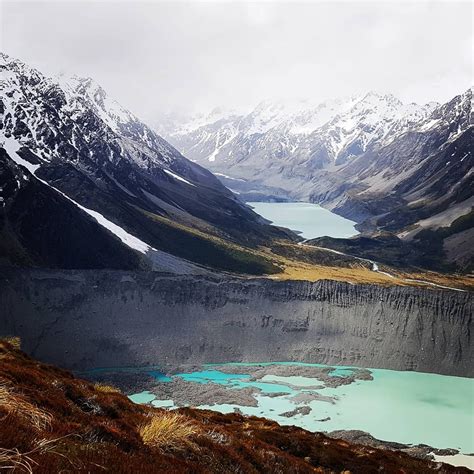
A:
x: 319, y: 398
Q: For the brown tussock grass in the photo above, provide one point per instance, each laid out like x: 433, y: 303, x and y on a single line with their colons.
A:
x: 14, y: 403
x: 104, y: 388
x: 358, y: 273
x: 14, y: 460
x: 304, y: 271
x: 14, y: 341
x: 168, y: 431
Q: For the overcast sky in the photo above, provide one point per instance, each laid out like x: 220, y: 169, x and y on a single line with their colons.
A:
x: 158, y: 57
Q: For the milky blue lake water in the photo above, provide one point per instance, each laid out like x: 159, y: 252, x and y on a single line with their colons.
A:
x: 408, y: 407
x: 310, y: 220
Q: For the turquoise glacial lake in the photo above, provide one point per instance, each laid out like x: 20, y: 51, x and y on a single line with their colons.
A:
x: 309, y: 220
x: 408, y: 407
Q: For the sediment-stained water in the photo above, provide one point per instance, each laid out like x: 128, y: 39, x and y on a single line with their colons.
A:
x: 310, y: 220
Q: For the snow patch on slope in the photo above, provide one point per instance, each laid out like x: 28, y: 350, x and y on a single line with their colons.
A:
x: 12, y: 146
x: 128, y: 239
x: 179, y: 178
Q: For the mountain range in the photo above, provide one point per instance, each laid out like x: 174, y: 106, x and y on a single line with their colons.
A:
x: 85, y: 184
x: 401, y: 169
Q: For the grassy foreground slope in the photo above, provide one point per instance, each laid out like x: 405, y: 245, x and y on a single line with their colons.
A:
x: 53, y: 422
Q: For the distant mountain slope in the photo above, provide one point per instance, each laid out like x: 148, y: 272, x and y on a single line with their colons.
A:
x: 419, y: 186
x: 405, y: 169
x: 281, y: 134
x: 81, y: 144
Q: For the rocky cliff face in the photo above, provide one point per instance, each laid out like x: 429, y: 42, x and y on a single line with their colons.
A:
x: 86, y: 319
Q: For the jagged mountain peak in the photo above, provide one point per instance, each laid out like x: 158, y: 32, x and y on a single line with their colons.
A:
x: 67, y: 92
x: 296, y: 116
x: 182, y: 124
x: 468, y: 94
x: 376, y: 107
x: 66, y: 118
x: 10, y: 62
x: 50, y: 112
x: 454, y: 117
x: 85, y: 86
x: 87, y: 89
x: 376, y: 96
x: 464, y: 100
x: 16, y: 74
x: 326, y: 132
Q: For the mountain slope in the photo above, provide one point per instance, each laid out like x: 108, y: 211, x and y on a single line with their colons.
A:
x: 314, y: 136
x: 403, y: 169
x: 419, y: 187
x: 69, y: 135
x: 43, y: 228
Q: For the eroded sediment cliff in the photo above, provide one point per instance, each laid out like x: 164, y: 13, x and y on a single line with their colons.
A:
x: 86, y: 319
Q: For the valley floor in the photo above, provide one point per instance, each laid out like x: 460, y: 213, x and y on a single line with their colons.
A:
x: 312, y: 263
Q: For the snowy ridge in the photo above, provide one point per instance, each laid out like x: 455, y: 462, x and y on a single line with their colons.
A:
x: 58, y: 117
x: 340, y: 128
x: 106, y: 108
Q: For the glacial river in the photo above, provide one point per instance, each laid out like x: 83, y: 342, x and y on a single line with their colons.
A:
x: 310, y: 220
x: 408, y: 407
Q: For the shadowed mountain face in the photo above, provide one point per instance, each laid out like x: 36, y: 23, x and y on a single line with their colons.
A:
x: 70, y: 151
x: 42, y: 227
x: 402, y: 169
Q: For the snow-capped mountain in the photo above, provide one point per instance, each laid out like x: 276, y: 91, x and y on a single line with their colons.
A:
x: 388, y: 165
x: 67, y: 143
x: 326, y: 133
x: 419, y: 186
x: 57, y: 117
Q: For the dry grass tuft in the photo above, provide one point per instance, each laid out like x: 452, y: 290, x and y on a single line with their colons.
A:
x: 14, y: 341
x: 14, y: 403
x: 168, y: 431
x: 104, y: 388
x: 12, y: 459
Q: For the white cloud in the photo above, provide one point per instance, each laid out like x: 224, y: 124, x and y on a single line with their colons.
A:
x: 157, y: 57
